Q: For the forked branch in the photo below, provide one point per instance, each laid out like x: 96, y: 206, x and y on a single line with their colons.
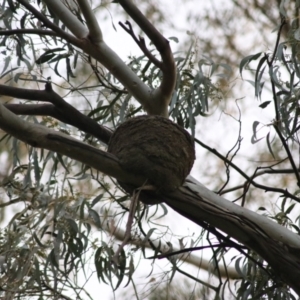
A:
x: 156, y: 101
x: 99, y: 51
x: 141, y: 43
x: 60, y: 109
x: 162, y: 95
x: 95, y: 33
x: 42, y: 137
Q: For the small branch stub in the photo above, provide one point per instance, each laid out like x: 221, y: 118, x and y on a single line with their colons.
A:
x: 155, y: 148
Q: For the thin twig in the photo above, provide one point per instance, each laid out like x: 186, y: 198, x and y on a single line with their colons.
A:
x: 141, y: 43
x: 28, y: 31
x: 164, y: 255
x: 238, y: 145
x: 283, y: 22
x: 270, y: 63
x: 289, y: 154
x: 72, y: 39
x: 277, y: 120
x: 268, y: 170
x: 260, y: 186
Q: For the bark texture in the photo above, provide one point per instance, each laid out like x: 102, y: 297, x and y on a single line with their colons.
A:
x: 155, y: 148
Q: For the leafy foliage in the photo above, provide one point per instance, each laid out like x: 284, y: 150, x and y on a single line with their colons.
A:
x: 63, y: 215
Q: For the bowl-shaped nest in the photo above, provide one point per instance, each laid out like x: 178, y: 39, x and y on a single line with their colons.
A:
x: 155, y: 148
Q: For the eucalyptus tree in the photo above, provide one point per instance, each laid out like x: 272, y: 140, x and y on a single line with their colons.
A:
x: 44, y: 242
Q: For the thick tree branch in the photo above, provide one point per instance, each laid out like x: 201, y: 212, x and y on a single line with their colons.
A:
x: 155, y: 102
x: 83, y: 123
x: 61, y: 110
x: 95, y: 33
x: 282, y: 252
x: 162, y: 95
x: 41, y: 137
x: 35, y: 110
x: 25, y: 131
x: 103, y: 54
x: 68, y: 18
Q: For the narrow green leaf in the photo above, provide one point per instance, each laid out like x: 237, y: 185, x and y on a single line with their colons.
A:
x: 44, y: 58
x: 36, y: 167
x: 265, y: 104
x: 283, y: 204
x: 7, y: 60
x: 52, y: 259
x: 149, y: 233
x: 238, y: 269
x: 269, y: 145
x: 97, y: 199
x: 60, y: 158
x: 95, y: 216
x: 258, y: 74
x: 173, y: 38
x: 165, y: 211
x: 73, y: 226
x: 130, y: 271
x: 121, y: 268
x: 246, y: 60
x: 290, y: 208
x: 38, y: 241
x: 254, y: 138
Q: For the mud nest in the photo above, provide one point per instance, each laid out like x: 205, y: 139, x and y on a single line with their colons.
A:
x: 155, y: 148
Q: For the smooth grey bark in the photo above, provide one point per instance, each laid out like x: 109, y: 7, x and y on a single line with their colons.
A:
x: 276, y: 244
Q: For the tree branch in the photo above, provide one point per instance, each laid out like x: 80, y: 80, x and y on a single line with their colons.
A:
x: 48, y: 23
x: 162, y: 95
x: 161, y: 44
x: 41, y: 137
x: 105, y: 55
x: 277, y: 109
x: 288, y: 152
x: 95, y: 33
x: 60, y: 109
x: 141, y: 43
x: 155, y: 102
x: 249, y: 179
x: 28, y: 31
x: 190, y: 258
x: 67, y: 18
x: 193, y: 200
